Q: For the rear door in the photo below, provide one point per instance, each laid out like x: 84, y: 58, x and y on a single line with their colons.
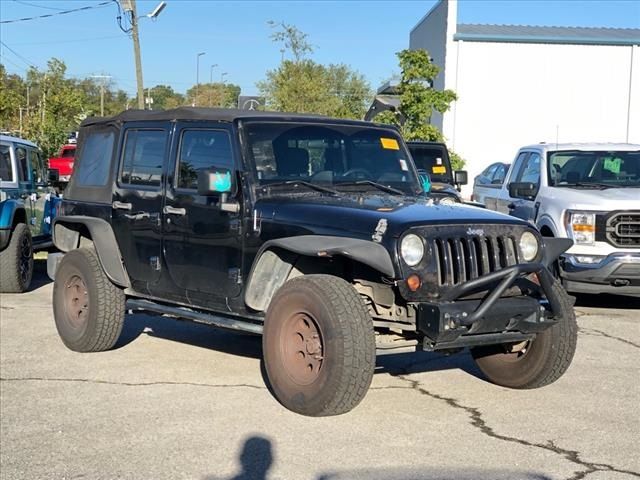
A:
x: 137, y: 200
x: 202, y: 243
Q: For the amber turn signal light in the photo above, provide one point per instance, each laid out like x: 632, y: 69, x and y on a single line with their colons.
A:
x: 414, y: 282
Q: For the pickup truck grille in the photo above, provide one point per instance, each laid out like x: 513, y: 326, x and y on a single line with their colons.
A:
x: 623, y: 229
x: 460, y: 259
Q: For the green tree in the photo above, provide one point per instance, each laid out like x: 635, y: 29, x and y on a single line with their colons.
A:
x: 12, y: 98
x: 165, y: 98
x: 300, y: 84
x: 214, y: 95
x: 419, y: 100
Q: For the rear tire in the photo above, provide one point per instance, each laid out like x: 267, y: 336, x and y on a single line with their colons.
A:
x: 542, y: 361
x: 88, y: 308
x: 318, y: 346
x: 16, y: 261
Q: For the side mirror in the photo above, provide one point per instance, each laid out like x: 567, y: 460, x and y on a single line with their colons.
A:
x: 526, y: 190
x: 461, y: 177
x: 214, y: 181
x: 54, y: 175
x: 425, y: 180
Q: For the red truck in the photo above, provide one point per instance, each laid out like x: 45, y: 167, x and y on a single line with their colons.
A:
x: 63, y: 165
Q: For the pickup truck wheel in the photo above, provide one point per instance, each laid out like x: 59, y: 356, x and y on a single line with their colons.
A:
x: 318, y: 345
x: 88, y: 308
x: 538, y: 362
x: 16, y: 261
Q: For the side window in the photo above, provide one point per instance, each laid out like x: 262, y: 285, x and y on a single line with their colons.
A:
x: 200, y: 150
x: 23, y: 163
x: 498, y: 176
x: 530, y: 171
x: 143, y: 157
x: 37, y: 167
x: 489, y: 172
x: 94, y: 159
x: 6, y: 171
x: 517, y: 166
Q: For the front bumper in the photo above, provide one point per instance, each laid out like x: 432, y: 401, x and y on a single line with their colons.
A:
x: 617, y: 273
x: 454, y: 323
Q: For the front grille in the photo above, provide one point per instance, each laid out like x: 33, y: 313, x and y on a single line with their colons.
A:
x: 460, y: 259
x: 623, y: 229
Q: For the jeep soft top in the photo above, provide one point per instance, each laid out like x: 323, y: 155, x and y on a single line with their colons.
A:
x: 314, y: 232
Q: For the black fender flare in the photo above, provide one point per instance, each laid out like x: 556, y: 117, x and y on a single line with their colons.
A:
x: 270, y: 270
x: 66, y: 237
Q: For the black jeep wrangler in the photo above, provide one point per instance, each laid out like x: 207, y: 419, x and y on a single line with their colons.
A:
x: 311, y: 231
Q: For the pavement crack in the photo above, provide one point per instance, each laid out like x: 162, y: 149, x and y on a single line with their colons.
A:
x: 128, y: 384
x: 479, y: 422
x: 599, y: 333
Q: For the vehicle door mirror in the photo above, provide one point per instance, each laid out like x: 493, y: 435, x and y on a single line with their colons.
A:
x: 525, y: 190
x: 425, y: 180
x: 461, y: 177
x: 215, y: 181
x: 53, y: 175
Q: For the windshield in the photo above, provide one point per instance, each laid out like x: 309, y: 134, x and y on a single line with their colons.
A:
x: 68, y: 153
x: 434, y: 160
x: 598, y: 168
x: 341, y: 156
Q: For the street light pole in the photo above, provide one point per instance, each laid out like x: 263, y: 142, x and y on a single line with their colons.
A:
x: 195, y: 98
x: 211, y: 83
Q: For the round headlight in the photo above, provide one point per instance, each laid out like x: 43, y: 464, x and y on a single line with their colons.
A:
x: 529, y: 246
x: 447, y: 201
x: 412, y: 249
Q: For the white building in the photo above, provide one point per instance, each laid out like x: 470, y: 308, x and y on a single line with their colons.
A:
x: 519, y: 85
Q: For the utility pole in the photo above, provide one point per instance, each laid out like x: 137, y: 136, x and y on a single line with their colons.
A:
x: 136, y: 53
x: 211, y: 83
x: 195, y: 98
x: 102, y: 85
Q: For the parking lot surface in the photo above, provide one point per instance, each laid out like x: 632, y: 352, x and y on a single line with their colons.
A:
x: 178, y: 400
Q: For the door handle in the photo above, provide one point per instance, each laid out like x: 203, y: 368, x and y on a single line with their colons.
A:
x: 121, y: 206
x: 174, y: 211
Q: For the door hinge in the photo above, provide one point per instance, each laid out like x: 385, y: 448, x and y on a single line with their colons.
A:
x: 155, y: 263
x: 235, y: 275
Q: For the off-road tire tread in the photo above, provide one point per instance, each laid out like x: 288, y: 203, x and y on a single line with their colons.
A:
x: 109, y: 304
x: 10, y: 281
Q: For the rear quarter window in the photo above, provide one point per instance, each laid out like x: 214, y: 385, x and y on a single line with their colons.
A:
x: 95, y: 159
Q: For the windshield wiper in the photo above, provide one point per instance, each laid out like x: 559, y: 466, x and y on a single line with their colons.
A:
x: 312, y: 186
x: 586, y: 184
x: 379, y: 186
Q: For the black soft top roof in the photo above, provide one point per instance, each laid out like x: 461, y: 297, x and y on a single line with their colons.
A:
x: 213, y: 114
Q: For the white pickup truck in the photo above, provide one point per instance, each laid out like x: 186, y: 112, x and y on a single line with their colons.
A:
x: 589, y: 193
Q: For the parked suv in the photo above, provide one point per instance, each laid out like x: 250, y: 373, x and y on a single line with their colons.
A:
x: 589, y: 193
x: 27, y: 206
x: 311, y: 231
x: 432, y: 158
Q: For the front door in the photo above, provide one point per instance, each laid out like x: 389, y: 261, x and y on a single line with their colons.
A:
x: 202, y: 243
x: 529, y: 172
x: 137, y: 201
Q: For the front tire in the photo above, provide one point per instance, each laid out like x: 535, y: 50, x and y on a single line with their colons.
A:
x: 539, y: 362
x: 88, y: 308
x: 16, y: 261
x: 319, y: 346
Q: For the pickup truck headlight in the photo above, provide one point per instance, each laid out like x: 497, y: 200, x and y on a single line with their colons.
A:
x: 412, y: 249
x: 581, y: 227
x: 529, y: 246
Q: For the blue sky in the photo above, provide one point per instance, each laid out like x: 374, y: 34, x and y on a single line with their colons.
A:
x: 235, y: 35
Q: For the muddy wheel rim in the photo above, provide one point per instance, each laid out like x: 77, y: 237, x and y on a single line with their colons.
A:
x: 302, y: 348
x: 76, y: 301
x: 25, y: 259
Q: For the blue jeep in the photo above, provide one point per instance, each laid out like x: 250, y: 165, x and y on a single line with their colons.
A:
x: 27, y: 207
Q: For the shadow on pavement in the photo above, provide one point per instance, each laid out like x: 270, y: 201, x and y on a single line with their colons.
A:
x: 40, y: 277
x: 257, y: 457
x: 607, y: 301
x: 189, y: 333
x: 420, y: 362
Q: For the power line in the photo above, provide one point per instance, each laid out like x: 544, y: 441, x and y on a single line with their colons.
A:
x: 63, y: 12
x: 18, y: 55
x: 76, y: 40
x: 38, y: 6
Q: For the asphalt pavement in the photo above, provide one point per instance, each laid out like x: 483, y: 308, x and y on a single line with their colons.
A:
x: 178, y: 400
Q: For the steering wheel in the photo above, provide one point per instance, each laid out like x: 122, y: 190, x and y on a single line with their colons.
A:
x: 358, y: 173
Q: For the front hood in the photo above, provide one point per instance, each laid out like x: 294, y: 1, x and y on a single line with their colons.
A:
x: 361, y: 214
x: 592, y: 199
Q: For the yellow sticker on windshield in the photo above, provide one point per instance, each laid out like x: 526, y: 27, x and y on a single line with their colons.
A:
x: 439, y: 169
x: 390, y: 143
